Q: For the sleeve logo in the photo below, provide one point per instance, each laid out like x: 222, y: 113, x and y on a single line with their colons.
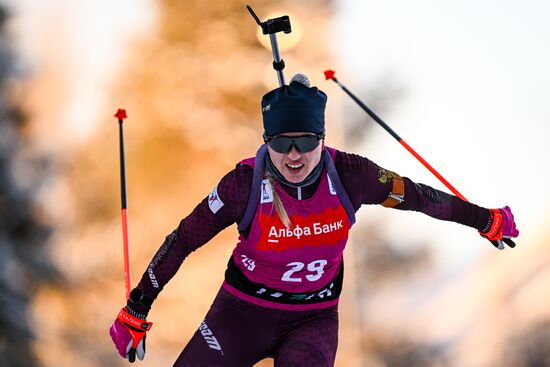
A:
x: 214, y: 201
x: 385, y: 176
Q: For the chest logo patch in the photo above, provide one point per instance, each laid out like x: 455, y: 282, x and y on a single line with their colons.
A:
x: 331, y: 187
x: 266, y: 192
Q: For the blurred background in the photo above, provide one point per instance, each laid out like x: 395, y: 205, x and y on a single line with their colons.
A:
x: 464, y: 83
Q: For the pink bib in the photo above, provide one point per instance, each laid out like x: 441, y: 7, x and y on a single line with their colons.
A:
x: 305, y: 256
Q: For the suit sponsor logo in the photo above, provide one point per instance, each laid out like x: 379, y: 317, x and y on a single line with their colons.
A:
x: 209, y: 337
x: 152, y: 277
x: 214, y: 201
x: 267, y: 192
x: 331, y: 187
x: 325, y: 229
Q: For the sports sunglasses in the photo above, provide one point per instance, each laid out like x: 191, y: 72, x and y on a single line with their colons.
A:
x: 283, y: 144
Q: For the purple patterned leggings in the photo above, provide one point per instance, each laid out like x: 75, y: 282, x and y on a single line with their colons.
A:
x: 238, y: 333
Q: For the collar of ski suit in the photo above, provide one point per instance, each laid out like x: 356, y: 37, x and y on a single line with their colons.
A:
x: 311, y: 178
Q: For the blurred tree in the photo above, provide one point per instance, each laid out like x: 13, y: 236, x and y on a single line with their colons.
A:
x: 530, y: 348
x: 382, y: 265
x: 381, y: 96
x: 396, y: 351
x: 380, y: 261
x: 24, y: 261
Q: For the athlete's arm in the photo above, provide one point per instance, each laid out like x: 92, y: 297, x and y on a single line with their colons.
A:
x: 224, y: 206
x: 367, y: 183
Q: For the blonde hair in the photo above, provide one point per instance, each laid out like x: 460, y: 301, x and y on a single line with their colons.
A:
x: 279, y: 207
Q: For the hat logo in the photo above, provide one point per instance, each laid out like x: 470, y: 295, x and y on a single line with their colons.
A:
x: 267, y: 108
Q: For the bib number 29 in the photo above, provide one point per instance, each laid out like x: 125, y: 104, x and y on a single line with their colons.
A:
x: 315, y: 269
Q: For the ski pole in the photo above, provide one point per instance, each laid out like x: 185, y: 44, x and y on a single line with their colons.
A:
x: 272, y: 27
x: 121, y: 115
x: 329, y: 74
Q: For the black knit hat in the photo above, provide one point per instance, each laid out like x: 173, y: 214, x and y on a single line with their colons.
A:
x: 294, y: 108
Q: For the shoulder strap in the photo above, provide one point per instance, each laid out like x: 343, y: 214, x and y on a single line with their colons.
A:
x: 254, y: 197
x: 340, y: 190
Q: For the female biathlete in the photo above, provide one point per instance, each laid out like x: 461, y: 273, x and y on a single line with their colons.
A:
x: 294, y: 204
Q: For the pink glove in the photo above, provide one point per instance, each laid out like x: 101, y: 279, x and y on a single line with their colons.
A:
x: 128, y: 333
x: 502, y: 228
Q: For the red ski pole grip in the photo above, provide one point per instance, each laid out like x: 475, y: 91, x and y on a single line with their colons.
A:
x: 329, y: 74
x: 121, y: 114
